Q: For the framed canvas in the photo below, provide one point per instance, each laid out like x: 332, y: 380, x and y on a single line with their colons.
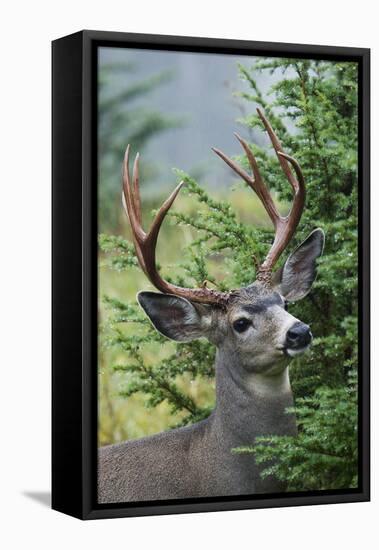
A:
x: 210, y: 307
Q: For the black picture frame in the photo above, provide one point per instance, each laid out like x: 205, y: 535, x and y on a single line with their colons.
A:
x: 74, y: 333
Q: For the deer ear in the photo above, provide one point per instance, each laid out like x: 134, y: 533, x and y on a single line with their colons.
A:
x: 295, y: 278
x: 175, y: 317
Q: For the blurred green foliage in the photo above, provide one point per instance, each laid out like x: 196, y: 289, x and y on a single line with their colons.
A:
x: 123, y: 119
x: 313, y: 108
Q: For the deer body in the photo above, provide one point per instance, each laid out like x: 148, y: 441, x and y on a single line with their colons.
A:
x: 196, y: 461
x: 256, y: 338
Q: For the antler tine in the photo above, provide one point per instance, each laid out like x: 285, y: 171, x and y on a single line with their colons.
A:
x: 152, y: 236
x: 278, y: 150
x: 296, y: 211
x: 284, y: 226
x: 145, y: 243
x: 255, y: 183
x: 130, y: 206
x: 134, y: 216
x: 135, y: 191
x: 300, y: 181
x: 259, y: 186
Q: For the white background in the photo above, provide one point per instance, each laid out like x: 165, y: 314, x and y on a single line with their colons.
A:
x: 26, y: 31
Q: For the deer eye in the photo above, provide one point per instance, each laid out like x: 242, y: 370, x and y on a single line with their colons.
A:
x: 286, y: 305
x: 241, y: 324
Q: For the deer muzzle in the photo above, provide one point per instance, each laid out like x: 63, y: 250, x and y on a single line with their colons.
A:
x: 298, y: 338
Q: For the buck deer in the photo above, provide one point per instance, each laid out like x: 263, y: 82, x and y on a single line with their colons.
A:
x: 255, y: 336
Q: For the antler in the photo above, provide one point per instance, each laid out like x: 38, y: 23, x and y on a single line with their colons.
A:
x: 145, y: 243
x: 285, y: 226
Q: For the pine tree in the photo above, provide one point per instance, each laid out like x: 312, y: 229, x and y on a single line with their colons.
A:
x: 313, y: 108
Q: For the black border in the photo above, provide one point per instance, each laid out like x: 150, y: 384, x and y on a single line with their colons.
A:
x: 74, y: 422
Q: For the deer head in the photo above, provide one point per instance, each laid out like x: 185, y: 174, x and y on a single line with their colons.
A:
x: 252, y: 323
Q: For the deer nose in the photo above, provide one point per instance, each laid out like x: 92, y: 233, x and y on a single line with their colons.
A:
x: 299, y: 336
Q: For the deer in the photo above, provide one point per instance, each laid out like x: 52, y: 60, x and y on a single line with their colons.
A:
x: 256, y: 338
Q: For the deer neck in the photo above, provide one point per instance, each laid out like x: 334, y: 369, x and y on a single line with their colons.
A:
x: 249, y: 404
